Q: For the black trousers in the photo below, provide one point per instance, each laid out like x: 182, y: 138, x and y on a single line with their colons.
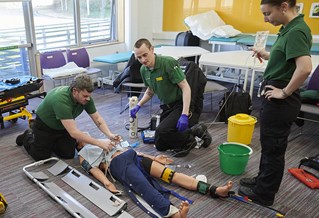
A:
x: 47, y: 140
x: 166, y: 134
x: 276, y: 118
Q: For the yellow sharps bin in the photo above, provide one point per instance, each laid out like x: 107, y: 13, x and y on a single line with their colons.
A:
x: 241, y: 128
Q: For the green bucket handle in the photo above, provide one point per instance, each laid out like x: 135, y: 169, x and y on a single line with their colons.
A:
x: 236, y: 143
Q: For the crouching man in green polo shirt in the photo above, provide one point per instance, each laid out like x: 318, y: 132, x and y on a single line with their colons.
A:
x: 163, y: 76
x: 54, y: 129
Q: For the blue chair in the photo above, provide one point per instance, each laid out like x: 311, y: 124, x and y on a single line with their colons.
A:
x: 81, y: 57
x: 53, y: 60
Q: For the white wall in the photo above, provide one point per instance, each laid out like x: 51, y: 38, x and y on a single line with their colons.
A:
x: 143, y: 19
x: 158, y: 36
x: 138, y: 23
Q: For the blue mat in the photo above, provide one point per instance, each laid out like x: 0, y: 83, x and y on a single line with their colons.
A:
x: 114, y: 58
x: 23, y: 80
x: 249, y: 40
x: 230, y: 39
x: 315, y: 48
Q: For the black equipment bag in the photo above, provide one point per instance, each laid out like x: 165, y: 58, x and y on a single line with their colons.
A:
x: 233, y: 103
x: 312, y: 162
x: 308, y: 173
x: 187, y: 39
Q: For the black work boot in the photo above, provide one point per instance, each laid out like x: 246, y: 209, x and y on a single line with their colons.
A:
x: 259, y: 199
x: 207, y: 139
x: 248, y: 182
x: 200, y: 130
x: 20, y: 138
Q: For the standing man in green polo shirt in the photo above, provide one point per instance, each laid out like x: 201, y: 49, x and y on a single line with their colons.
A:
x: 163, y: 76
x: 55, y: 130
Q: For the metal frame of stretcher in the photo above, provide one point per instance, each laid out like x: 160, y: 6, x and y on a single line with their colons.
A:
x: 15, y: 101
x: 98, y: 195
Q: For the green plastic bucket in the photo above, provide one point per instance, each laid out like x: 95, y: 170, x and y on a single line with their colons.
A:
x: 233, y: 157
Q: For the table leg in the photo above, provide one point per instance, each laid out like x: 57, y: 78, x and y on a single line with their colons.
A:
x: 252, y: 82
x: 245, y: 80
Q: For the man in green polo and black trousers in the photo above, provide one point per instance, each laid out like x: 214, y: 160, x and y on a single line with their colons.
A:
x: 163, y: 76
x: 54, y: 129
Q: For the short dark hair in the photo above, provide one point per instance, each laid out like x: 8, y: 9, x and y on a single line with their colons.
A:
x: 142, y: 41
x: 291, y: 3
x: 82, y: 82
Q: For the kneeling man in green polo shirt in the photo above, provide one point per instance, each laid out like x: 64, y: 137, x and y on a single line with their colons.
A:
x: 54, y: 129
x: 163, y: 76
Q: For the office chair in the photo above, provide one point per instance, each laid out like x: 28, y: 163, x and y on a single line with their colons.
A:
x: 81, y: 57
x: 130, y: 81
x: 313, y: 84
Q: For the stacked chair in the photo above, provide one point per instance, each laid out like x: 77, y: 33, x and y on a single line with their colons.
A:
x: 80, y: 56
x: 58, y: 70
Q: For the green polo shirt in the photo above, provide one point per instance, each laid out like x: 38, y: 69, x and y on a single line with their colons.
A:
x: 163, y: 79
x: 59, y: 104
x: 293, y: 41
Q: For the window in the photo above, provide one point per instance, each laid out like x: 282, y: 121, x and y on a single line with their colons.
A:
x: 66, y: 23
x: 54, y: 24
x: 96, y: 21
x: 29, y: 26
x: 14, y: 59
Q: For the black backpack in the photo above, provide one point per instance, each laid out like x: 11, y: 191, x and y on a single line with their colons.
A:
x: 132, y: 74
x: 233, y: 103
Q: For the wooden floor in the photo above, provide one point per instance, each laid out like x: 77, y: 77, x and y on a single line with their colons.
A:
x: 26, y: 199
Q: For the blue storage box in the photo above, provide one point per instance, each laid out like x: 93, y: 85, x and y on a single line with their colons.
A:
x: 148, y: 136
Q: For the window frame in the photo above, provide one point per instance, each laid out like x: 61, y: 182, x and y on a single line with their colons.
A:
x: 116, y: 35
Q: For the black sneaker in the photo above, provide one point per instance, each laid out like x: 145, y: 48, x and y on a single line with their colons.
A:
x: 248, y: 192
x: 207, y: 139
x: 20, y: 138
x: 248, y: 182
x: 198, y: 130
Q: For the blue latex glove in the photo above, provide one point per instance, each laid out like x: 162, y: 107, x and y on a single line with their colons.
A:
x: 134, y: 111
x: 182, y: 123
